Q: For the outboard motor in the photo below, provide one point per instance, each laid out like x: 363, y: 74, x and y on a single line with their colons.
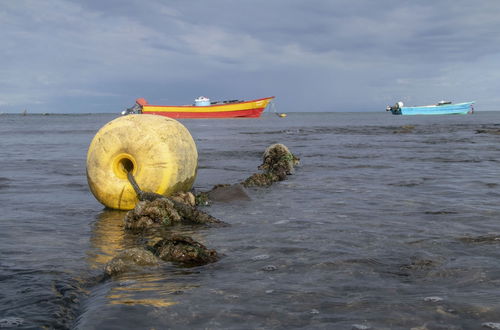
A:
x: 396, y: 107
x: 136, y: 108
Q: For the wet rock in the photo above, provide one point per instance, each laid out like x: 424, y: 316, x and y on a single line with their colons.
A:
x: 277, y: 158
x: 191, y: 214
x: 448, y: 312
x: 441, y: 212
x: 360, y: 327
x: 492, y: 238
x: 11, y: 322
x: 269, y: 268
x: 278, y: 162
x: 261, y: 257
x: 433, y: 299
x: 165, y: 212
x: 184, y: 197
x: 491, y: 325
x: 260, y: 180
x: 184, y: 250
x: 147, y: 214
x: 129, y: 260
x: 495, y: 131
x: 228, y: 193
x: 202, y: 199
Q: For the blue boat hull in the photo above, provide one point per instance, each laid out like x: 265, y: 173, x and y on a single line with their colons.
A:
x: 445, y: 109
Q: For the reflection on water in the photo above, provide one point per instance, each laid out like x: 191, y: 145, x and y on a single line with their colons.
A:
x: 107, y: 238
x: 147, y: 289
x: 144, y: 286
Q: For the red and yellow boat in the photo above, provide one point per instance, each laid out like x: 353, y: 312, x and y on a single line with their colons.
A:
x: 203, y: 108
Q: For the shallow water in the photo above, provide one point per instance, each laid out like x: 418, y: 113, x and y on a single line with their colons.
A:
x: 390, y: 222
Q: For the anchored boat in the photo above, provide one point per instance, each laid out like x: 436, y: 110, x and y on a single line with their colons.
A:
x: 204, y: 108
x: 441, y: 108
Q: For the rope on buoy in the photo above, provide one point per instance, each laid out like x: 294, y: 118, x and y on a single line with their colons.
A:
x: 142, y: 195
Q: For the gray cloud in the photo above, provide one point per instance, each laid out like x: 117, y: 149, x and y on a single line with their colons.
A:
x: 317, y: 55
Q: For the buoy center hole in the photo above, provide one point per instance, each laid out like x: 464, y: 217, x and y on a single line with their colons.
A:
x: 123, y: 164
x: 126, y: 165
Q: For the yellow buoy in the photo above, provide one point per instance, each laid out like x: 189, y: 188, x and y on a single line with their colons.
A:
x: 159, y: 151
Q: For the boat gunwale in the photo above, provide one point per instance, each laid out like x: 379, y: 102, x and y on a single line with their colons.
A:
x: 208, y: 106
x: 439, y: 106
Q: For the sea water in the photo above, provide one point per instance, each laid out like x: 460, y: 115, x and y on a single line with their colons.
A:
x: 389, y: 222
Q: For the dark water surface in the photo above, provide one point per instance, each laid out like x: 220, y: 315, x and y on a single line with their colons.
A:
x: 390, y: 222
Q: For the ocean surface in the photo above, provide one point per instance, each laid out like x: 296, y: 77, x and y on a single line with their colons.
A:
x: 389, y: 222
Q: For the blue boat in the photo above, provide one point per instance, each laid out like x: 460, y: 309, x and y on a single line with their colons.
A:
x: 442, y: 108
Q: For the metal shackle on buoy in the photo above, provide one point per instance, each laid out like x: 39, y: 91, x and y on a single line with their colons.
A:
x: 159, y: 152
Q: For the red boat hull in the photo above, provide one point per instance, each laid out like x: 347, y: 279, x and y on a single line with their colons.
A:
x: 251, y: 113
x: 242, y: 109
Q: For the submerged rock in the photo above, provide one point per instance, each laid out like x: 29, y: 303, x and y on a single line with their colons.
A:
x: 418, y: 266
x: 491, y: 238
x: 228, y: 193
x: 404, y: 129
x: 129, y: 260
x: 495, y: 131
x: 491, y: 325
x: 184, y: 250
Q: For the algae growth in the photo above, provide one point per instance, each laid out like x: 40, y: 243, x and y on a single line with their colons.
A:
x: 158, y: 213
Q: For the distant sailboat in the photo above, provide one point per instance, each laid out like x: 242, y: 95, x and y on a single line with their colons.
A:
x: 24, y: 113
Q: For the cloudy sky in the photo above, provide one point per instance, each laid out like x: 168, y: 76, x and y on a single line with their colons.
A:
x: 313, y: 55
